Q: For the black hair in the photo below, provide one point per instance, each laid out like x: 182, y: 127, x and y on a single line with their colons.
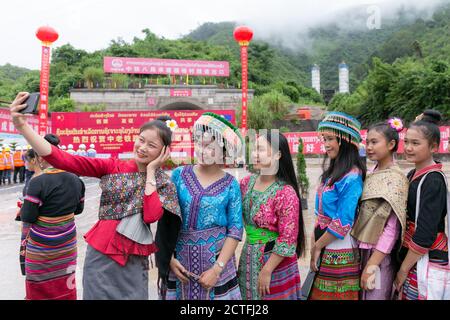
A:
x: 347, y: 159
x: 388, y: 132
x: 30, y: 155
x: 161, y: 127
x: 286, y: 173
x: 429, y: 126
x: 52, y: 139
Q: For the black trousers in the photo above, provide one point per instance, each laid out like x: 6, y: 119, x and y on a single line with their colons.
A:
x: 19, y: 171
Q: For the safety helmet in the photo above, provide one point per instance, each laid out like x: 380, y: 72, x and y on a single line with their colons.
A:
x: 82, y: 146
x: 92, y: 146
x: 63, y: 147
x: 70, y: 146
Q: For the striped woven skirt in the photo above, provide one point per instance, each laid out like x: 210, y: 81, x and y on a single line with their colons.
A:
x: 23, y: 243
x: 197, y: 251
x: 51, y: 258
x: 410, y: 289
x: 338, y: 276
x: 285, y: 282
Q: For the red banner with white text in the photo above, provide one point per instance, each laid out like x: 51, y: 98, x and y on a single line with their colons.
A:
x: 113, y: 133
x: 313, y: 145
x: 44, y: 84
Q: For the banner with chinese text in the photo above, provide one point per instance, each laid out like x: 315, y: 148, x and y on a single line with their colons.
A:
x: 166, y: 67
x: 114, y: 133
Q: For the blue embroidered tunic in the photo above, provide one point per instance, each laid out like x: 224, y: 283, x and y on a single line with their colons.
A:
x: 219, y: 205
x: 210, y: 215
x: 336, y: 204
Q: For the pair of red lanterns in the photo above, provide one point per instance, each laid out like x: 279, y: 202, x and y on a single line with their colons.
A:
x: 243, y: 35
x: 47, y: 34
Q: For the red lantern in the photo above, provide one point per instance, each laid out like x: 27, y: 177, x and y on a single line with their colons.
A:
x: 47, y: 34
x: 243, y: 35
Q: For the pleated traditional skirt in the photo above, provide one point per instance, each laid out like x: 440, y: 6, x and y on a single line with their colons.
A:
x: 285, y: 282
x: 197, y: 251
x: 51, y: 258
x: 105, y: 279
x: 339, y: 273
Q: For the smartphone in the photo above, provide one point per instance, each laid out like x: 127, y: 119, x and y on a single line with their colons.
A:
x: 32, y: 103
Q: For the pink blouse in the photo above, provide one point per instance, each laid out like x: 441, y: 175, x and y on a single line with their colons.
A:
x: 388, y: 238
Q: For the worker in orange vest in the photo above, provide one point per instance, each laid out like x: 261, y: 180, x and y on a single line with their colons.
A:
x: 19, y: 165
x: 2, y: 165
x: 9, y: 165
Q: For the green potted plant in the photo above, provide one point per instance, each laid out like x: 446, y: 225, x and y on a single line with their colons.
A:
x: 302, y: 178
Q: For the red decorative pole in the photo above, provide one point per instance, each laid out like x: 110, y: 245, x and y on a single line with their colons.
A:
x: 47, y: 35
x: 243, y: 35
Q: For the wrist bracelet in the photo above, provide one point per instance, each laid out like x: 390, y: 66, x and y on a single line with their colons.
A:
x: 152, y: 182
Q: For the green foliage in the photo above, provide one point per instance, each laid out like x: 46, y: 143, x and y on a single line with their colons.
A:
x: 93, y: 107
x: 258, y: 115
x: 61, y: 84
x: 67, y: 54
x: 276, y: 103
x: 399, y: 69
x: 119, y: 80
x: 62, y: 105
x: 302, y: 178
x: 402, y: 89
x: 93, y: 76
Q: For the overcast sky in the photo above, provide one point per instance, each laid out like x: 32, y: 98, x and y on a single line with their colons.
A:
x: 91, y: 24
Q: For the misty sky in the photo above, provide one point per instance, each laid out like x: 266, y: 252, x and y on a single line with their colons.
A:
x: 91, y: 24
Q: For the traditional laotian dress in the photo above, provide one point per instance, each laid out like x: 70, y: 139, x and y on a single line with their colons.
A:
x: 50, y: 243
x: 428, y: 236
x: 339, y: 272
x: 209, y: 216
x: 380, y: 224
x: 271, y: 225
x: 120, y: 243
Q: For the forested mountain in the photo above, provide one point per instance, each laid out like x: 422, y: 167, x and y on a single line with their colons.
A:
x: 409, y: 45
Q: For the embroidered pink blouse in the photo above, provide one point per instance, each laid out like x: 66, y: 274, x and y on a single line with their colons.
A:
x: 277, y: 210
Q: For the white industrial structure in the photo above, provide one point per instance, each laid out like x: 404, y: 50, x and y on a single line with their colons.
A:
x: 315, y: 77
x: 344, y: 85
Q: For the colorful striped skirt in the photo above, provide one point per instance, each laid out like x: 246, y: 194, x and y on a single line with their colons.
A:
x: 410, y: 289
x: 338, y: 276
x: 197, y: 251
x: 23, y: 243
x: 51, y: 258
x: 285, y: 282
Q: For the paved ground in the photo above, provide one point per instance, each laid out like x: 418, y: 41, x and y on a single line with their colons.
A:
x: 11, y: 280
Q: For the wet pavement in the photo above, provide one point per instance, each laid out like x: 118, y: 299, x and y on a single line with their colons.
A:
x: 12, y: 283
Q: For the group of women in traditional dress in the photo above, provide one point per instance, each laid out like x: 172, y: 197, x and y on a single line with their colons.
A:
x: 381, y: 235
x: 203, y: 212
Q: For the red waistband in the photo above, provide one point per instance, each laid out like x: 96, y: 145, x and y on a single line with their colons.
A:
x: 441, y: 242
